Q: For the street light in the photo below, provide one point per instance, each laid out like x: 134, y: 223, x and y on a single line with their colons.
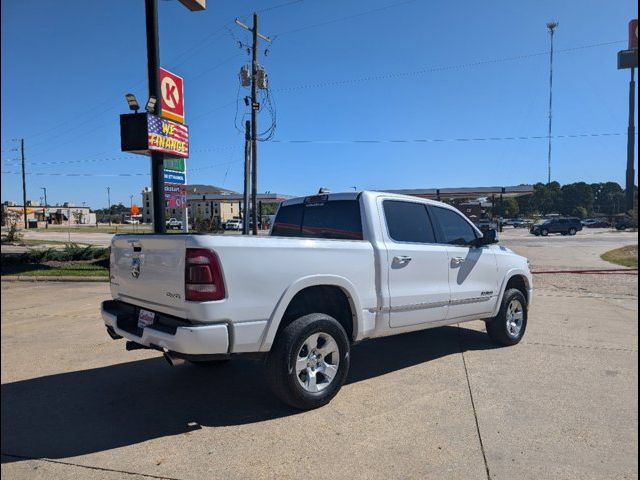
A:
x: 109, y: 202
x: 133, y: 102
x: 151, y: 104
x: 46, y: 218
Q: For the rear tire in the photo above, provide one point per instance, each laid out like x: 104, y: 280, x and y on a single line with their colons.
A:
x: 572, y: 231
x: 508, y: 327
x: 309, y: 361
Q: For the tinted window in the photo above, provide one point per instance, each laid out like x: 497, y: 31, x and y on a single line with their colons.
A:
x: 456, y: 230
x: 335, y: 219
x: 408, y: 222
x: 288, y: 222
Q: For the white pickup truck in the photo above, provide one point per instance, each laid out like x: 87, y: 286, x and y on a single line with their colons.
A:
x: 336, y: 269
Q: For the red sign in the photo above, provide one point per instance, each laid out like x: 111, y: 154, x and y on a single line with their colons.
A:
x: 171, y: 96
x: 135, y: 210
x: 175, y: 195
x: 633, y: 34
x: 167, y: 136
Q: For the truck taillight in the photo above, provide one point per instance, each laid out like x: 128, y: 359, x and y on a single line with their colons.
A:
x: 203, y: 276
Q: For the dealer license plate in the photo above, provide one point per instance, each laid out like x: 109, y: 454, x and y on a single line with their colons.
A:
x: 145, y: 318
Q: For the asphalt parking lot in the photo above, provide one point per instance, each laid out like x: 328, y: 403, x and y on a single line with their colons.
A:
x: 443, y: 403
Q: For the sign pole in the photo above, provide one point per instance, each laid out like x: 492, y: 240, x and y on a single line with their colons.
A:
x: 157, y: 159
x: 631, y: 131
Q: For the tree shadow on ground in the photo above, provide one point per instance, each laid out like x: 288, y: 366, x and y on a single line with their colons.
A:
x: 86, y: 411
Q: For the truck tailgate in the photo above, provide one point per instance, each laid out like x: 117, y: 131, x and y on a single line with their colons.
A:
x: 148, y: 270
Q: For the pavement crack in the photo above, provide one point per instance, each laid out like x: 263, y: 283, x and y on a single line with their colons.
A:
x: 90, y: 467
x: 473, y: 404
x: 587, y: 347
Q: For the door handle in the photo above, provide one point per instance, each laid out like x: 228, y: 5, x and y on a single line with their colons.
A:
x: 401, y: 260
x: 457, y: 261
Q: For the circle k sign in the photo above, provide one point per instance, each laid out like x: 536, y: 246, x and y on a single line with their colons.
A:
x: 172, y: 96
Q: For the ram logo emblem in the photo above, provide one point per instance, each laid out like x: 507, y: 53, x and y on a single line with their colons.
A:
x: 135, y: 267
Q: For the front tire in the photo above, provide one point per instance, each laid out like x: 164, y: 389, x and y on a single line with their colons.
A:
x: 544, y: 233
x: 572, y: 231
x: 508, y: 327
x: 309, y: 361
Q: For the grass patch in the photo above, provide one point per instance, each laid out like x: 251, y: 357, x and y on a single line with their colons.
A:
x: 34, y: 242
x: 625, y: 256
x: 122, y: 228
x: 70, y: 269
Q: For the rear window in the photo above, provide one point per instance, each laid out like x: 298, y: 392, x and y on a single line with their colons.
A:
x: 333, y: 219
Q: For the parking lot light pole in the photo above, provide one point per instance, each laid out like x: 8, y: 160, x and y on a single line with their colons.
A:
x: 109, y: 203
x: 631, y: 139
x: 46, y: 218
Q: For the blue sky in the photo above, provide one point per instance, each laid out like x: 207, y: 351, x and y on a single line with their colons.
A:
x: 340, y: 71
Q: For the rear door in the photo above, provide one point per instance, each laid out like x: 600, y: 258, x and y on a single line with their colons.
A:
x: 148, y: 270
x: 472, y: 271
x: 417, y: 266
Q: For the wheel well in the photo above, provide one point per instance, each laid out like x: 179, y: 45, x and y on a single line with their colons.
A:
x: 520, y: 283
x: 327, y: 299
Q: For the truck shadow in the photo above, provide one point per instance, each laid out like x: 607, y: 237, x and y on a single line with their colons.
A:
x: 98, y: 409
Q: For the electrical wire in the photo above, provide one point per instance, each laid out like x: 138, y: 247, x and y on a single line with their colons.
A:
x: 422, y: 71
x: 449, y: 140
x: 348, y: 17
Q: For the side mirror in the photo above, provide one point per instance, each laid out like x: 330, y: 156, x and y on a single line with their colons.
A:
x: 489, y: 237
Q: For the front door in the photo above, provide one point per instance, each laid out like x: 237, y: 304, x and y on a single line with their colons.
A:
x: 418, y: 268
x: 472, y: 272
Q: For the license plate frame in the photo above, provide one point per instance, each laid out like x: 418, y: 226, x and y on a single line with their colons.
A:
x: 146, y: 318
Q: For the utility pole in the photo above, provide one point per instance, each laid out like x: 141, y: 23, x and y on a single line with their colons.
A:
x: 631, y: 138
x: 551, y: 26
x: 628, y: 59
x: 24, y: 186
x: 153, y: 74
x: 255, y: 106
x: 109, y: 203
x: 46, y: 218
x: 247, y: 173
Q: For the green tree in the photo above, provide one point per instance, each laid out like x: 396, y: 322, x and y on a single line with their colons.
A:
x: 510, y: 207
x: 576, y: 197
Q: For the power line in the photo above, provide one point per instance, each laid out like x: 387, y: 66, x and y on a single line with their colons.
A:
x: 450, y: 140
x: 347, y: 141
x: 422, y: 71
x: 342, y: 19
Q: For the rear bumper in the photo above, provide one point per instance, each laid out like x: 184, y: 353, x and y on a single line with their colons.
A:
x: 188, y: 339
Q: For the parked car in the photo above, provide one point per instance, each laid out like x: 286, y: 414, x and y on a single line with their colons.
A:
x: 335, y: 270
x: 625, y: 223
x: 174, y: 224
x: 515, y: 222
x: 233, y: 224
x: 486, y: 224
x: 564, y: 226
x: 595, y: 223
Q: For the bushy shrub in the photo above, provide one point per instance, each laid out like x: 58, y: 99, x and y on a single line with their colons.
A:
x: 70, y: 253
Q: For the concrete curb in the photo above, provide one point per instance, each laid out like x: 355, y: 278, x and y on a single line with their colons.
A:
x: 19, y: 278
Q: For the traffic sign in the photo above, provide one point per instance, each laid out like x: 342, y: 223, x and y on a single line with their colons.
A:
x: 633, y: 34
x: 171, y: 95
